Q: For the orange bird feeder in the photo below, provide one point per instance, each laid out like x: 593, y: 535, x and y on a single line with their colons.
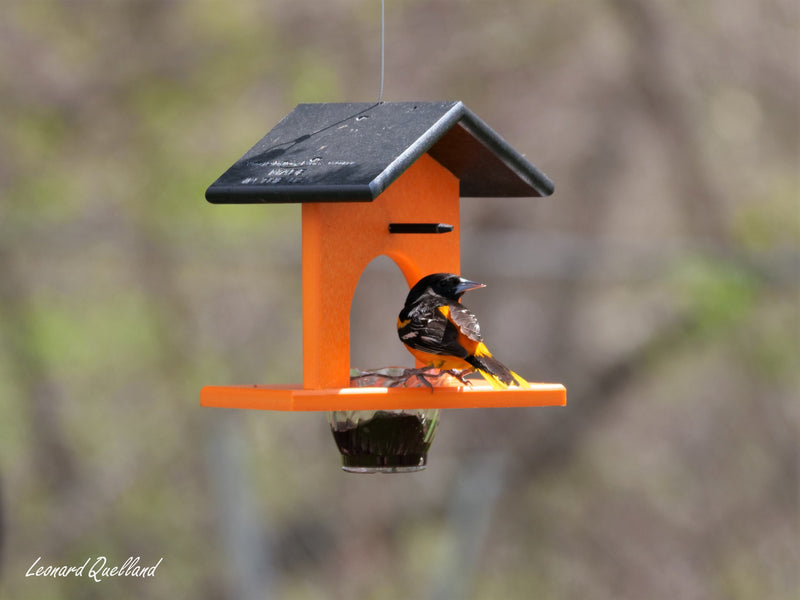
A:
x: 374, y: 179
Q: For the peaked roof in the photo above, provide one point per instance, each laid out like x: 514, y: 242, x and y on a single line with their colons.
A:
x: 354, y: 151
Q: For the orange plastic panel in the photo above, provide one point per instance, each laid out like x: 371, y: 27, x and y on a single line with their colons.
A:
x: 294, y: 398
x: 341, y: 238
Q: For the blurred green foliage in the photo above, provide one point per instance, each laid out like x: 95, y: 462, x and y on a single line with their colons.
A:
x: 720, y: 295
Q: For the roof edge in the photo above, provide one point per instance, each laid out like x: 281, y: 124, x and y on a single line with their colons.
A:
x: 515, y: 161
x: 417, y: 149
x: 287, y: 194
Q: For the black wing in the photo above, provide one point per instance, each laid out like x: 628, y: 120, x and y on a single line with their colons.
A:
x: 425, y: 327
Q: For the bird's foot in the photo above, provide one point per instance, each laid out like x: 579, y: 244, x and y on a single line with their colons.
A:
x: 421, y: 374
x: 402, y: 378
x: 460, y: 375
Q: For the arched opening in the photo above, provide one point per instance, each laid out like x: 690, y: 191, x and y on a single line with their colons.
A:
x: 377, y: 301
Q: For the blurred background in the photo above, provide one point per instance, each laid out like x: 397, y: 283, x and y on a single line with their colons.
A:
x: 660, y: 284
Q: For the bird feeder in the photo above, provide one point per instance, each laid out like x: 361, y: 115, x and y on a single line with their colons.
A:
x: 373, y: 179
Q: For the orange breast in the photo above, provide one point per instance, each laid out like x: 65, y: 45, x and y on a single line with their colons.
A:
x: 439, y: 361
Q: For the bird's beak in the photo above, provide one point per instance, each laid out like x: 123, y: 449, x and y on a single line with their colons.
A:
x: 465, y: 285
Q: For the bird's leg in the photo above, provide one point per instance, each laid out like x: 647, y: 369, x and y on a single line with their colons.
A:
x: 459, y: 375
x: 420, y: 373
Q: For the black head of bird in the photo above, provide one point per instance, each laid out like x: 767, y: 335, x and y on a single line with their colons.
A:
x: 447, y: 285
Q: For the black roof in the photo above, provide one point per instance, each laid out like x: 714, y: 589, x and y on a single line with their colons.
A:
x: 354, y: 151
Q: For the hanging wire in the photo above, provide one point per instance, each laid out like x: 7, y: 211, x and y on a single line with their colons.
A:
x: 383, y: 20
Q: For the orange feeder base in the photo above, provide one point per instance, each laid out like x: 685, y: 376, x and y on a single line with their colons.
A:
x: 295, y: 398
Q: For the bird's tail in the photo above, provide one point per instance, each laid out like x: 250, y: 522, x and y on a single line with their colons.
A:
x: 496, y: 373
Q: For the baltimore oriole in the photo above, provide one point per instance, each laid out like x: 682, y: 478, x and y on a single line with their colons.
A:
x: 444, y: 334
